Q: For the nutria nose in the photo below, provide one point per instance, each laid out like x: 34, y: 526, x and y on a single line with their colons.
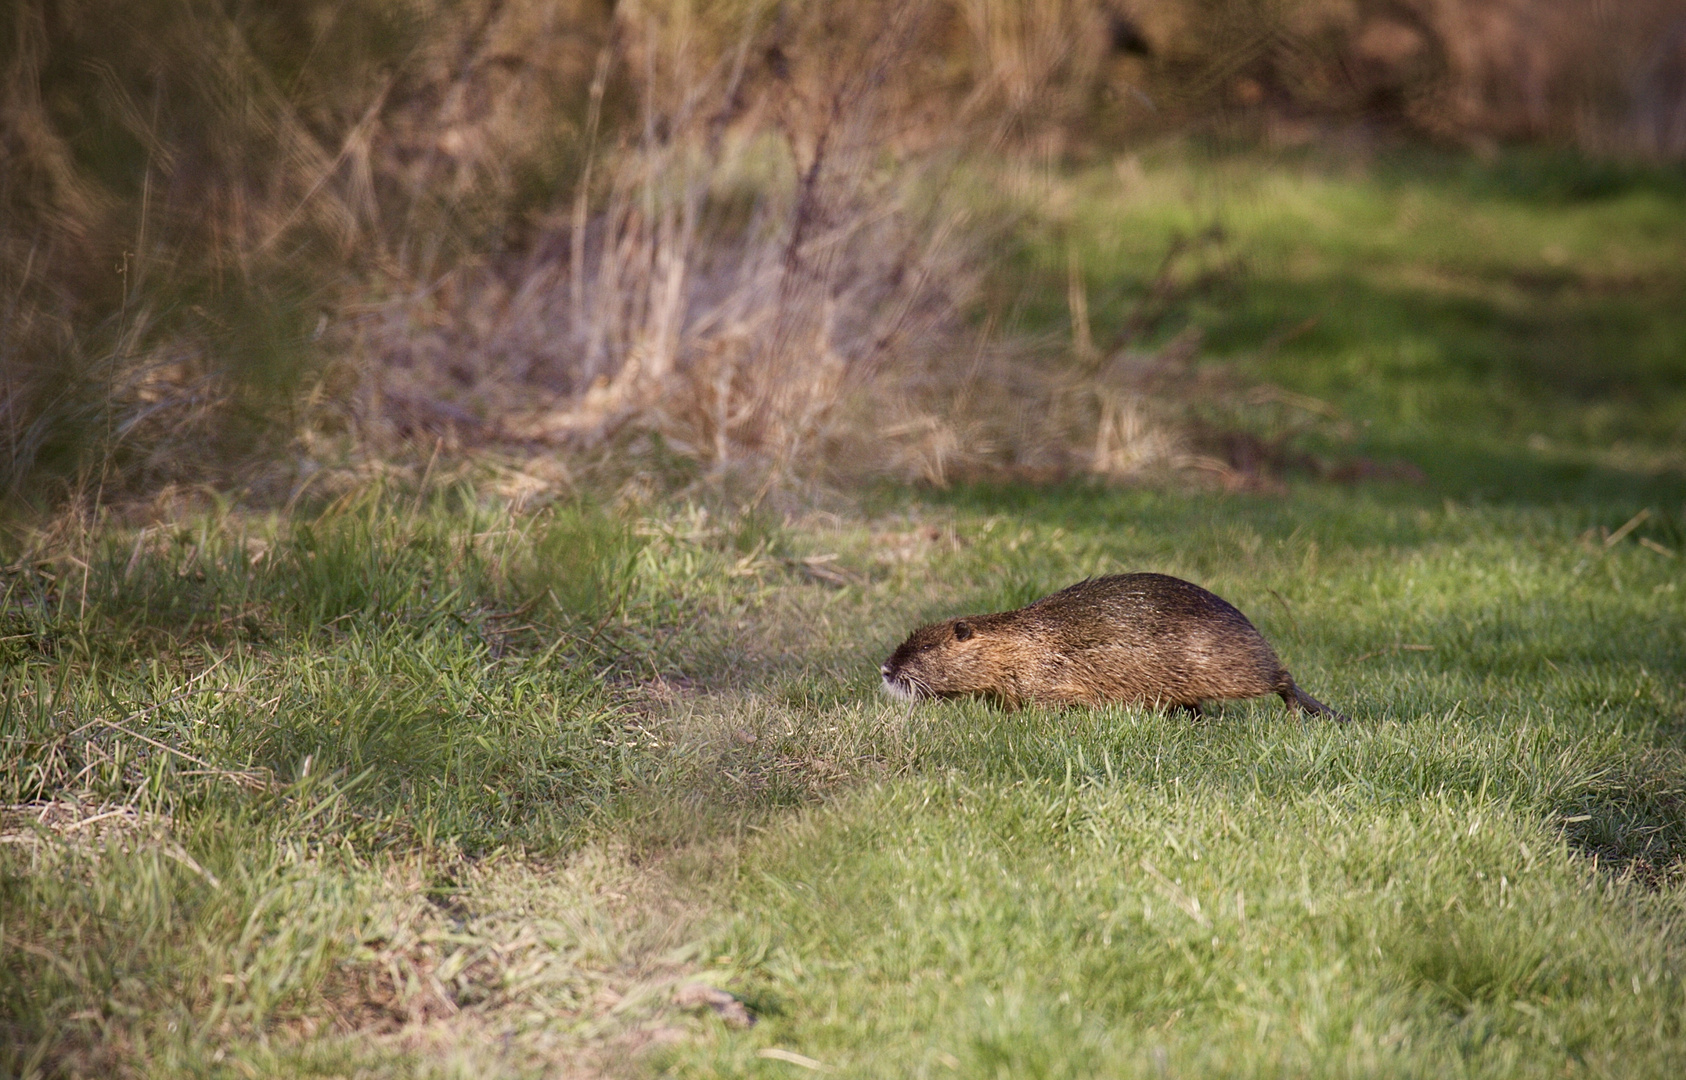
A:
x: 885, y: 671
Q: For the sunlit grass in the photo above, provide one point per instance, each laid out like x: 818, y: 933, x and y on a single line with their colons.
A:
x: 1125, y: 924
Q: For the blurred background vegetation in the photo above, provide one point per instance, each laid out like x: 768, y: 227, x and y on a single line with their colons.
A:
x: 241, y: 242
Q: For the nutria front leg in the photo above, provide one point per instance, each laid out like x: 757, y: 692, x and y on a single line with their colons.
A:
x: 1194, y: 711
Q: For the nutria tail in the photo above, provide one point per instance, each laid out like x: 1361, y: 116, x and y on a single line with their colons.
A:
x: 1298, y: 699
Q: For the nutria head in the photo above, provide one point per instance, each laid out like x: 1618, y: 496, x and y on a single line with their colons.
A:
x: 944, y: 659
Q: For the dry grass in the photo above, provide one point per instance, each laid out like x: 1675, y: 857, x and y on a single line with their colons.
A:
x: 507, y: 964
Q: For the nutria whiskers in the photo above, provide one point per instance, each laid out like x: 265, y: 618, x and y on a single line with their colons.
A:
x: 1145, y: 639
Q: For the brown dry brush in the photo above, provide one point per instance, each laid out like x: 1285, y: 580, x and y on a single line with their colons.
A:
x: 504, y: 219
x: 772, y: 234
x: 764, y: 260
x: 242, y: 234
x: 773, y: 270
x: 192, y: 190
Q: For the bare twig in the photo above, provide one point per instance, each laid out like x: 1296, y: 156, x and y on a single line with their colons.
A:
x: 1632, y: 523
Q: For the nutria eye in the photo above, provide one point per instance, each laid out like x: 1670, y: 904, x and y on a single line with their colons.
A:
x: 962, y: 631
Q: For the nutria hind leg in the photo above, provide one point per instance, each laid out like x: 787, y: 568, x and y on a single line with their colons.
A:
x: 1193, y: 709
x: 1297, y: 699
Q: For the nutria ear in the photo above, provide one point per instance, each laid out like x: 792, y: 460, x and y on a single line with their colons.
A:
x: 962, y: 631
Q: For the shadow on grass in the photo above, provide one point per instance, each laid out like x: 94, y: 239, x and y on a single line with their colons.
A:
x: 1542, y: 175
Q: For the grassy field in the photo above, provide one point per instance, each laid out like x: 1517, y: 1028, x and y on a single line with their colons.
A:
x: 419, y: 783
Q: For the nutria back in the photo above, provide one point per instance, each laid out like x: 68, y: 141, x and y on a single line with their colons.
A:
x: 1145, y: 639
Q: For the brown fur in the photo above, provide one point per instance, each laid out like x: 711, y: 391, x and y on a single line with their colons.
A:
x: 1143, y: 639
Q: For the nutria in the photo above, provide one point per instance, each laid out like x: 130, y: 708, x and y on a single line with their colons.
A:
x: 1133, y: 638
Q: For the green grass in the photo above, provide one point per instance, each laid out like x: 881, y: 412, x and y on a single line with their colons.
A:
x: 1115, y: 925
x: 415, y: 784
x: 1515, y: 329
